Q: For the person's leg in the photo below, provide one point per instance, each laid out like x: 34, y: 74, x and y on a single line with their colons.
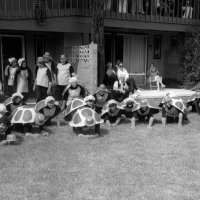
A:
x: 180, y: 119
x: 38, y: 91
x: 97, y: 129
x: 151, y: 122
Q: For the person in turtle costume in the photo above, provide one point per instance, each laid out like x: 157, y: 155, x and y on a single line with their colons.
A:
x: 84, y: 118
x: 4, y: 124
x: 112, y: 113
x: 12, y: 104
x: 193, y: 102
x: 145, y: 111
x: 101, y: 97
x: 130, y: 106
x: 50, y: 110
x: 72, y: 91
x: 173, y: 110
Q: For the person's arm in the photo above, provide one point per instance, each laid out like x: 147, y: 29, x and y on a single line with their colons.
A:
x: 7, y: 70
x: 117, y: 121
x: 71, y: 71
x: 65, y: 97
x: 82, y: 93
x: 163, y: 117
x: 50, y: 82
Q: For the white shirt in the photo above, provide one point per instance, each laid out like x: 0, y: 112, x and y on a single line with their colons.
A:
x: 42, y: 78
x: 12, y: 72
x: 63, y: 73
x: 122, y: 71
x: 22, y: 81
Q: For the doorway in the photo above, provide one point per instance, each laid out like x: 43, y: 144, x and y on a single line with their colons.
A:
x: 10, y: 46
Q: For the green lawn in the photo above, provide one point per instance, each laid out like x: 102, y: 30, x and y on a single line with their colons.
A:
x: 122, y: 164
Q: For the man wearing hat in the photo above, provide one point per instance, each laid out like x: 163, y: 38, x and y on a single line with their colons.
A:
x: 101, y: 97
x: 50, y: 63
x: 72, y: 91
x: 173, y: 110
x: 43, y: 80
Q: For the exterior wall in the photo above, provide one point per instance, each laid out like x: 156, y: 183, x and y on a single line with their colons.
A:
x: 169, y: 64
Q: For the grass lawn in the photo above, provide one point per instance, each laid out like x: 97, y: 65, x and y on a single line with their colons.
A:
x: 123, y: 164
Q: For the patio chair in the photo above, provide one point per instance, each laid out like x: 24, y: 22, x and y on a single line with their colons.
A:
x: 152, y: 84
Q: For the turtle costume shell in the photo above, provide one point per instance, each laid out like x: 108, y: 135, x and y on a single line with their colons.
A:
x: 85, y: 117
x: 72, y: 108
x: 177, y: 103
x: 26, y: 114
x: 194, y: 97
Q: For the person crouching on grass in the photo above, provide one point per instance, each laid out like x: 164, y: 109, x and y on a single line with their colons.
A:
x: 112, y: 113
x: 173, y: 110
x: 85, y: 119
x: 131, y: 106
x: 145, y: 111
x: 16, y: 102
x: 49, y: 109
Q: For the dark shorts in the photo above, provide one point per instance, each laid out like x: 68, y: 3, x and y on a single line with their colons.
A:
x: 59, y: 91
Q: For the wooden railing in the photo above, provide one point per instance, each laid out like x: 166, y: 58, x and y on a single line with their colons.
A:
x: 166, y: 11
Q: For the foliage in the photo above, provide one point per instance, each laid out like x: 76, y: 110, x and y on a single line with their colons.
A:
x: 191, y: 59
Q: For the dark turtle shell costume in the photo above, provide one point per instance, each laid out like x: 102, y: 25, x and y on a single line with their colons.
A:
x: 85, y: 117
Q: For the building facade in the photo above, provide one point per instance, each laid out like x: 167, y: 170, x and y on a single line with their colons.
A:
x: 138, y: 32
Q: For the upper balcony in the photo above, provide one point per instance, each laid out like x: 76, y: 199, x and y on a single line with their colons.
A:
x: 163, y: 12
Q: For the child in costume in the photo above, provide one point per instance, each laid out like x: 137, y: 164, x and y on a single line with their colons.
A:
x: 10, y: 72
x: 23, y: 78
x: 43, y: 80
x: 131, y: 106
x: 101, y: 97
x: 112, y: 113
x: 85, y: 118
x: 193, y: 102
x: 4, y: 124
x: 50, y: 110
x: 173, y: 110
x: 12, y: 103
x: 145, y: 111
x: 71, y: 92
x: 64, y: 72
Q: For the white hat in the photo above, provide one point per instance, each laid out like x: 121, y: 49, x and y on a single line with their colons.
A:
x: 73, y: 80
x: 11, y: 60
x: 89, y: 98
x: 20, y: 61
x: 48, y: 99
x: 17, y: 94
x: 3, y: 108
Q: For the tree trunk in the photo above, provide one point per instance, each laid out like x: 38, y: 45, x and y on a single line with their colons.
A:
x: 97, y: 36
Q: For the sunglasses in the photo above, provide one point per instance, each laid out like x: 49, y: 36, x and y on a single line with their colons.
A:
x: 39, y: 62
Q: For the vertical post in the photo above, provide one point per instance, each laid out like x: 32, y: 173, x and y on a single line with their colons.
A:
x: 97, y: 36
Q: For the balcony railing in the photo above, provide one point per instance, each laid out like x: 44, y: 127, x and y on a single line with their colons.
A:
x: 167, y: 11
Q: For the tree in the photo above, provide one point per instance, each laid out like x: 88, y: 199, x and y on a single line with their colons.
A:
x: 191, y: 60
x: 97, y: 36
